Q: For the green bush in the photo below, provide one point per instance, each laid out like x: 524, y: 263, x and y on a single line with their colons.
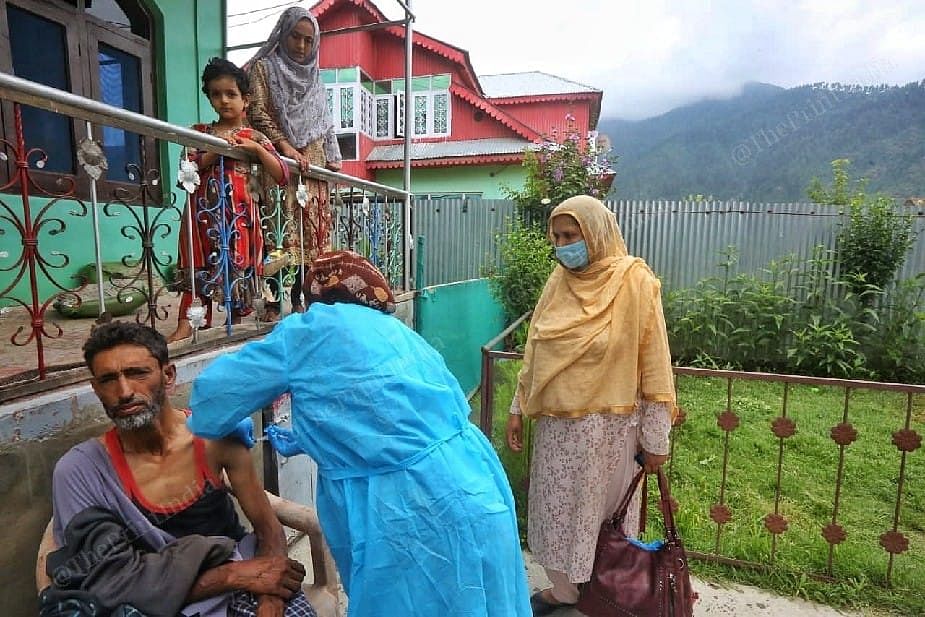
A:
x: 798, y: 317
x: 873, y: 242
x: 826, y: 349
x: 733, y: 322
x: 526, y: 262
x: 896, y: 348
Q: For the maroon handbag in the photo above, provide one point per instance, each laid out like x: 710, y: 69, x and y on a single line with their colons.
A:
x: 631, y: 581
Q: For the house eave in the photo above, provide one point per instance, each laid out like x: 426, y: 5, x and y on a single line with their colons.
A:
x: 484, y: 159
x: 545, y: 98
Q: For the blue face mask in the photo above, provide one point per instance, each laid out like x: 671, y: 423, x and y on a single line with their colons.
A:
x: 573, y: 256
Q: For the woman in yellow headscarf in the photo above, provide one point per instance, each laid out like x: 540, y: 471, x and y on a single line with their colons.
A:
x: 597, y: 380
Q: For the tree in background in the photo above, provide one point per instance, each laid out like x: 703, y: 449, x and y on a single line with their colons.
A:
x: 526, y: 262
x: 872, y: 244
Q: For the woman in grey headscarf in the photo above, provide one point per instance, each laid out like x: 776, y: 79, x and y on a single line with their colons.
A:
x: 289, y: 105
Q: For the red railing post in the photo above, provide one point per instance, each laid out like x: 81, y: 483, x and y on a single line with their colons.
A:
x: 29, y: 241
x: 486, y: 416
x: 488, y: 386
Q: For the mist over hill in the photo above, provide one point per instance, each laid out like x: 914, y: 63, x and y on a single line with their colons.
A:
x: 767, y: 143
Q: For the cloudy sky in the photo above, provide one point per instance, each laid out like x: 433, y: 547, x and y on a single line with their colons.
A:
x: 649, y: 57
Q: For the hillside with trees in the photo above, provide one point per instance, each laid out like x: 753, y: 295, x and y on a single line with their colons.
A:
x: 768, y: 143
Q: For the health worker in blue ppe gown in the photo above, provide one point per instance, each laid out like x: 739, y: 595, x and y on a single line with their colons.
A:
x: 412, y: 499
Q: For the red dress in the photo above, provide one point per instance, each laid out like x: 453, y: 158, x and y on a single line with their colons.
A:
x: 240, y: 213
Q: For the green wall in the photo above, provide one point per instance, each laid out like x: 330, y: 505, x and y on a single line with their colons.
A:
x: 457, y: 319
x: 187, y: 34
x: 191, y: 33
x: 485, y: 179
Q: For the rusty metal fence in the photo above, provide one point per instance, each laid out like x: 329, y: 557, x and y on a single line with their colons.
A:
x: 132, y: 219
x: 898, y: 439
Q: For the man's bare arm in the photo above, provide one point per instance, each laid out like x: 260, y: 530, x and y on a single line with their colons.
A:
x: 237, y: 463
x: 239, y: 466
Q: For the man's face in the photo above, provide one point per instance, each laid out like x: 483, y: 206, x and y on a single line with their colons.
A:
x: 131, y: 385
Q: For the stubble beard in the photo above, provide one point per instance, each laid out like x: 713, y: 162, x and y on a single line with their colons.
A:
x: 144, y: 419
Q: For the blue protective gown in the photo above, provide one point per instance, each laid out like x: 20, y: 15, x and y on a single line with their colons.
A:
x: 413, y: 501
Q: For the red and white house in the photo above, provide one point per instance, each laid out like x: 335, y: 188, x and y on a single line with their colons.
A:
x: 469, y: 131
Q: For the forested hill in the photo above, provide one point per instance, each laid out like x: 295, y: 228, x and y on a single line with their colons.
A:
x: 767, y: 143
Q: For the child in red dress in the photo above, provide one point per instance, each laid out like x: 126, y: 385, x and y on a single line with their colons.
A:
x: 228, y: 89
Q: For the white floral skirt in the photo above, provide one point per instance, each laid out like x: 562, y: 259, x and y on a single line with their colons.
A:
x: 580, y: 470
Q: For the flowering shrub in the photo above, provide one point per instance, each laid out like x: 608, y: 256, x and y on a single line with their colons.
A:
x: 559, y: 169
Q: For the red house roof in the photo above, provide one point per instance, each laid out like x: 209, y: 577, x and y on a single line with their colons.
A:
x: 539, y: 87
x: 492, y: 122
x: 371, y: 9
x: 450, y: 52
x: 446, y: 153
x: 369, y: 13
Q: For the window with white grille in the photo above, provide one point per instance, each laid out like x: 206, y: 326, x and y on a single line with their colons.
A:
x: 367, y: 112
x: 384, y: 116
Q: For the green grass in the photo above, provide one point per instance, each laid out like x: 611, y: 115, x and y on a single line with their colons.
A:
x: 810, y: 464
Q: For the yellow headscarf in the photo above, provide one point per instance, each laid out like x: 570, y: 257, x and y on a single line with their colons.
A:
x: 597, y: 340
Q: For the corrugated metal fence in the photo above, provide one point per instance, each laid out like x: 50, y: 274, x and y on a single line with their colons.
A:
x: 460, y: 237
x: 682, y: 241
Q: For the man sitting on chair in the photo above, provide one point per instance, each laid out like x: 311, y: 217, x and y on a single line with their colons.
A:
x: 165, y: 486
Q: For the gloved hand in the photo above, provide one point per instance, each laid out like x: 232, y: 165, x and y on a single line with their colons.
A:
x: 283, y: 440
x: 244, y: 432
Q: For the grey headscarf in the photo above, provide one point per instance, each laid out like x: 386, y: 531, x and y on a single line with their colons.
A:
x: 296, y: 89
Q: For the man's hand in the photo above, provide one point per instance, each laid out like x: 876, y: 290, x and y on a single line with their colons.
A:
x: 270, y: 606
x: 515, y: 432
x: 334, y: 165
x: 274, y: 576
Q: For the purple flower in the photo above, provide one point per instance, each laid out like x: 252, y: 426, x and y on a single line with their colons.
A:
x: 557, y: 174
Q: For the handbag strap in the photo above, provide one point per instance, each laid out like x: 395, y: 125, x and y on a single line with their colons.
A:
x: 664, y: 496
x: 620, y: 512
x: 644, y: 505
